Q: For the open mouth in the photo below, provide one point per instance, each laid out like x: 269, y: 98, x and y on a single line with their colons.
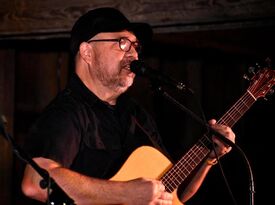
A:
x: 126, y: 65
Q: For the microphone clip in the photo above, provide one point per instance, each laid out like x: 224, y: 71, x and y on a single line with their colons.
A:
x: 156, y: 77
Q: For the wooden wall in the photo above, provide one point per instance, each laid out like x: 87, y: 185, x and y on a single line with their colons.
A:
x: 51, y: 18
x: 7, y: 110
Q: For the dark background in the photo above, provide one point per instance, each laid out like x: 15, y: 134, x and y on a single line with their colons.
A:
x: 210, y: 60
x: 216, y: 77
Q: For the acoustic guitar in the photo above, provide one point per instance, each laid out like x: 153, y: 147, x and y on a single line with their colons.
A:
x: 156, y: 165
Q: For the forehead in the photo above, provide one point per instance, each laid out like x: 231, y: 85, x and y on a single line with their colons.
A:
x: 130, y: 35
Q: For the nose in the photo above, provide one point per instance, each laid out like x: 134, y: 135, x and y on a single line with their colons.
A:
x: 132, y: 53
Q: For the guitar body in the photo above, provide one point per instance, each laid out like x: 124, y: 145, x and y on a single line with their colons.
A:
x: 146, y: 162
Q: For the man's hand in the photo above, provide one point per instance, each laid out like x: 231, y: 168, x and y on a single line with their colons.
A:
x: 146, y: 191
x: 220, y: 147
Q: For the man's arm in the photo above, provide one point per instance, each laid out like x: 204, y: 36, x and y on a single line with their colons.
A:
x: 220, y: 148
x: 87, y: 190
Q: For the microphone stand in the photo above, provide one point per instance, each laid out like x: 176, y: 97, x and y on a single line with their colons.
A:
x: 160, y: 90
x: 47, y: 181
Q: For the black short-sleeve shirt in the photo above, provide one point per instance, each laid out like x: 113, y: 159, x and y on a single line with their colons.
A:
x: 87, y: 135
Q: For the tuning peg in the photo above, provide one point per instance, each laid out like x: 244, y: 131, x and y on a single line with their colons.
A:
x: 245, y: 76
x: 268, y: 62
x: 270, y: 92
x: 258, y: 66
x: 251, y: 70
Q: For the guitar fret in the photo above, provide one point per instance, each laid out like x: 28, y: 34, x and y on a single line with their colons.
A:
x: 241, y: 106
x: 182, y: 169
x: 221, y: 121
x: 252, y: 95
x: 167, y: 179
x: 229, y: 116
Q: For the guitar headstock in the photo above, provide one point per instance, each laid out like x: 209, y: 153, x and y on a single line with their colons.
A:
x: 262, y: 83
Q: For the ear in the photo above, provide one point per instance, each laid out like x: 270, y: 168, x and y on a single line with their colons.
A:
x: 85, y: 51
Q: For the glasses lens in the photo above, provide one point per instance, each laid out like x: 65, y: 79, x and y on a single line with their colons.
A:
x: 125, y: 45
x: 137, y: 46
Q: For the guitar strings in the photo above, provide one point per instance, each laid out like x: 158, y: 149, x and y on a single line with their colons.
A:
x: 176, y: 175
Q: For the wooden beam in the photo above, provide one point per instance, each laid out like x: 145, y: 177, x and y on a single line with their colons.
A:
x: 51, y: 18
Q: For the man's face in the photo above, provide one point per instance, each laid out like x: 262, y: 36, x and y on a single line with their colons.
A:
x: 111, y: 65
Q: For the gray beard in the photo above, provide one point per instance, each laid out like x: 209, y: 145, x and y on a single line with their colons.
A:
x: 111, y: 82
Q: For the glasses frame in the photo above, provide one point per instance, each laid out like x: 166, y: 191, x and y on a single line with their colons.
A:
x: 135, y: 44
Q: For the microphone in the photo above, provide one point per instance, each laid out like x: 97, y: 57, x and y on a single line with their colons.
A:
x: 139, y: 68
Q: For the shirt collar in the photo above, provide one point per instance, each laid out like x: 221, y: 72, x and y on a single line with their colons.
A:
x: 79, y: 88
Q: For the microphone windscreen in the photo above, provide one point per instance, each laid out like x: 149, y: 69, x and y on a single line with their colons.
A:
x: 138, y: 67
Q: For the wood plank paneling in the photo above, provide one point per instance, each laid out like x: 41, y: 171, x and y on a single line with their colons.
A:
x: 6, y: 108
x: 51, y: 18
x: 48, y: 72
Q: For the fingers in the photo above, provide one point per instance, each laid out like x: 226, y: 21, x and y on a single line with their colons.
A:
x: 164, y: 202
x: 161, y: 187
x: 224, y: 130
x: 220, y: 147
x: 166, y: 196
x: 212, y: 122
x: 163, y: 197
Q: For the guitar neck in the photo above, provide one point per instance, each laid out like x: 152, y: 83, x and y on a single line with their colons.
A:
x: 181, y: 170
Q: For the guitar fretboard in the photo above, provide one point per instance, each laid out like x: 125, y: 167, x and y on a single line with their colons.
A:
x: 181, y: 170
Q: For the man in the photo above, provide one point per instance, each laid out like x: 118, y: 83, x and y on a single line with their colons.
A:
x: 90, y: 129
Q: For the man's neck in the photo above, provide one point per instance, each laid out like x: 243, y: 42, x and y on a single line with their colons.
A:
x: 102, y: 92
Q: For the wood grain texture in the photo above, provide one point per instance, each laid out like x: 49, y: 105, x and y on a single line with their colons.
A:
x: 55, y: 18
x: 6, y: 109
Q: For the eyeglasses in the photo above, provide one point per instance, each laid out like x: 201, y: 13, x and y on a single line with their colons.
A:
x: 124, y: 43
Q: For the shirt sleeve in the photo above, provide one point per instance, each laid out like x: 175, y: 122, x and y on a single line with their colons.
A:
x: 55, y: 135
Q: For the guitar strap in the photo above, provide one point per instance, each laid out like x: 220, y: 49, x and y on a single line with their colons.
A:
x: 153, y: 137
